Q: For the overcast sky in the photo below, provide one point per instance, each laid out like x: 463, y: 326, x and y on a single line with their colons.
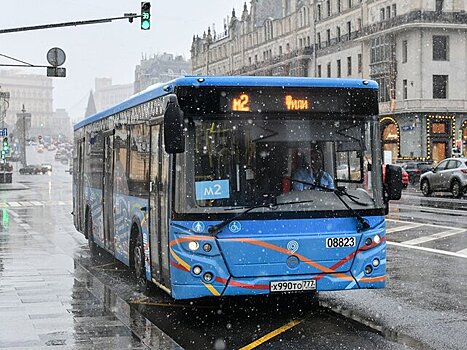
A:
x: 103, y: 50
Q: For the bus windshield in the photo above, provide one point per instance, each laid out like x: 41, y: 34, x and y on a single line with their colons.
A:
x: 232, y: 164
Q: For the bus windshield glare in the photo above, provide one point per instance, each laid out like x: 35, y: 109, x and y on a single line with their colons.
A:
x: 238, y: 162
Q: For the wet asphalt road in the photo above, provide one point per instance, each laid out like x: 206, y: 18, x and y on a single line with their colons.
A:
x: 423, y: 307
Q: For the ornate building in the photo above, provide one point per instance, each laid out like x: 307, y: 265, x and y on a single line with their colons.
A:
x: 160, y: 69
x: 415, y: 50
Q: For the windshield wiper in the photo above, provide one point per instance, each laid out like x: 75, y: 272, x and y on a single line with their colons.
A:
x: 340, y: 192
x: 213, y: 230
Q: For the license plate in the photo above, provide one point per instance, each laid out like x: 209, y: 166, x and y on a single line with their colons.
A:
x: 292, y: 286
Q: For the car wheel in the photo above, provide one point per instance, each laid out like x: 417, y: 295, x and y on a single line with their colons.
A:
x: 456, y: 189
x: 426, y: 189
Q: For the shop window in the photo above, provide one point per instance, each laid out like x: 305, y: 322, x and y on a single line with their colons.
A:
x: 439, y: 128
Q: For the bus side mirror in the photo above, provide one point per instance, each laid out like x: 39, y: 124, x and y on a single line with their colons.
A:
x: 393, y: 182
x: 174, y: 136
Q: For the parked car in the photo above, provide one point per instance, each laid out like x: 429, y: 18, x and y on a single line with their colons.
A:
x: 405, y: 176
x: 416, y: 169
x: 31, y: 170
x: 46, y: 167
x: 450, y: 175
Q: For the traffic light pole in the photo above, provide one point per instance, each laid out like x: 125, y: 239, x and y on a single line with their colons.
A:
x: 128, y: 16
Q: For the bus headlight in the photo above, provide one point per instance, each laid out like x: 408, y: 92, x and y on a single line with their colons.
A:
x: 208, y: 277
x: 368, y: 269
x: 377, y: 239
x: 375, y: 262
x: 193, y: 245
x: 207, y: 247
x: 197, y: 270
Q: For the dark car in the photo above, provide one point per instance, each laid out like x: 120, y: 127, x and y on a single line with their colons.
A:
x: 416, y: 169
x: 31, y: 170
x: 450, y: 175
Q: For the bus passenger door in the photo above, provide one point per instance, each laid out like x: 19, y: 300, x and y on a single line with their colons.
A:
x: 155, y: 204
x: 107, y: 190
x: 78, y: 174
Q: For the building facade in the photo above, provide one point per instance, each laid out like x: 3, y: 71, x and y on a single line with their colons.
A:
x: 35, y: 93
x: 416, y: 50
x: 160, y: 69
x: 107, y: 94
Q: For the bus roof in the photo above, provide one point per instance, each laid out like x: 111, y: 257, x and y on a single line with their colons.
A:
x: 162, y: 89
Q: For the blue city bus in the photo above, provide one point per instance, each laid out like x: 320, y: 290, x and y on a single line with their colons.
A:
x: 193, y: 184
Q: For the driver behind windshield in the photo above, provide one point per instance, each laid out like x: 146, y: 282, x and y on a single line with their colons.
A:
x: 311, y: 176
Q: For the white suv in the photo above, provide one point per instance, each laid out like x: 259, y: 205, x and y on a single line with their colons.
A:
x: 450, y: 175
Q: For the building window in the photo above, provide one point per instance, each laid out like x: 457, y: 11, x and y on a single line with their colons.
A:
x: 439, y: 5
x: 338, y: 6
x: 329, y: 69
x: 394, y: 10
x: 349, y: 65
x: 388, y: 12
x: 440, y: 48
x: 328, y: 7
x: 404, y: 51
x: 300, y: 42
x: 349, y: 3
x: 319, y: 70
x: 328, y: 37
x: 308, y: 42
x: 280, y: 50
x: 381, y: 14
x: 404, y: 89
x: 319, y: 12
x: 319, y: 40
x: 339, y: 69
x: 338, y: 34
x: 440, y: 86
x: 359, y: 59
x: 349, y: 28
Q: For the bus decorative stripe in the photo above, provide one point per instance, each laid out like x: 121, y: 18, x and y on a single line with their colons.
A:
x: 351, y: 256
x: 178, y: 266
x: 190, y: 238
x: 373, y: 279
x: 179, y: 260
x: 212, y: 289
x: 242, y: 285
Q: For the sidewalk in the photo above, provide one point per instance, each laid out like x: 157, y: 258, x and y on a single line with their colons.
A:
x: 48, y: 299
x: 13, y: 187
x: 439, y: 200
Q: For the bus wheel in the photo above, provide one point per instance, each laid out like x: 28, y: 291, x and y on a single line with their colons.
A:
x: 138, y: 263
x: 92, y: 245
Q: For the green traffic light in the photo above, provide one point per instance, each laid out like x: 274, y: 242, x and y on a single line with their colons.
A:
x: 145, y: 15
x: 145, y: 25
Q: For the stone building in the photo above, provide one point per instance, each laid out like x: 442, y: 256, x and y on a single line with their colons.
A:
x: 33, y: 91
x: 107, y: 94
x: 160, y: 69
x: 415, y: 50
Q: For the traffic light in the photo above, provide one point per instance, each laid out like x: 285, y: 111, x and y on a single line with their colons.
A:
x: 145, y: 15
x: 5, y: 148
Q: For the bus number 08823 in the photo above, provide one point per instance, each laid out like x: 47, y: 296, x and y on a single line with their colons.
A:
x: 340, y: 242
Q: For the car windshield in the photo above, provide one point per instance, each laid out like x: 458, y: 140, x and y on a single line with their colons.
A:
x: 232, y: 163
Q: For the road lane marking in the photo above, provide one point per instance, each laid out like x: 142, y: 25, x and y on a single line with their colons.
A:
x: 271, y: 335
x: 430, y: 250
x: 462, y: 252
x: 403, y: 228
x: 37, y: 203
x: 423, y: 224
x: 434, y: 237
x: 14, y: 204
